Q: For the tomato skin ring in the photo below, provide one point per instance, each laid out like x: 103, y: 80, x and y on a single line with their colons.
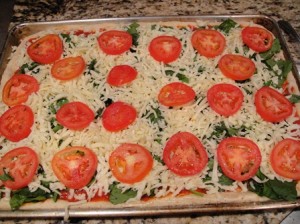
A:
x: 16, y: 161
x: 130, y: 163
x: 232, y: 102
x: 239, y: 158
x: 184, y: 154
x: 264, y: 100
x: 74, y: 166
x: 284, y: 159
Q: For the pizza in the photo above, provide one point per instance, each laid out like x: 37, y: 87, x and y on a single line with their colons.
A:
x: 148, y: 114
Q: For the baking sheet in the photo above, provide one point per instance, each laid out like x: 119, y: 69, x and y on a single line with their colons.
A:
x: 26, y: 29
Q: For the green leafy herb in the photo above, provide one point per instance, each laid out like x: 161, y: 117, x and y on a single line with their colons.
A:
x: 55, y: 126
x: 224, y: 180
x: 56, y: 105
x: 19, y: 197
x: 67, y: 39
x: 284, y: 66
x: 274, y: 189
x: 5, y: 176
x: 221, y: 128
x: 132, y: 29
x: 227, y: 25
x: 155, y: 116
x: 28, y: 67
x: 91, y: 66
x: 294, y: 98
x: 272, y: 51
x: 158, y: 159
x: 182, y: 78
x: 179, y: 75
x: 99, y: 112
x: 116, y: 195
x: 195, y: 192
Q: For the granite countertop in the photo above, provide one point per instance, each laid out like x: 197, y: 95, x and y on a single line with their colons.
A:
x: 50, y: 10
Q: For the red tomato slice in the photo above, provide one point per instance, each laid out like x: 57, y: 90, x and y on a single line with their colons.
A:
x: 258, y: 39
x: 75, y: 115
x: 130, y: 163
x: 225, y: 99
x: 165, y: 49
x: 115, y: 42
x: 118, y: 116
x: 18, y: 88
x: 236, y: 67
x: 21, y: 164
x: 121, y: 75
x: 239, y: 158
x: 209, y: 43
x: 68, y: 68
x: 46, y: 50
x: 184, y: 154
x: 176, y: 94
x: 16, y: 123
x: 271, y: 105
x: 285, y: 159
x: 75, y: 166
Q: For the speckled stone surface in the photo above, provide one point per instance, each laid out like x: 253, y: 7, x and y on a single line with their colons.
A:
x: 50, y: 10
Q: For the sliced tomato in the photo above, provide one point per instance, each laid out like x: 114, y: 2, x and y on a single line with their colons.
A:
x: 115, y: 42
x: 16, y: 123
x: 239, y: 158
x: 75, y: 115
x: 271, y: 105
x: 46, y: 50
x: 121, y: 75
x: 209, y: 43
x: 130, y: 163
x: 285, y: 159
x: 75, y: 166
x: 68, y: 68
x: 118, y: 116
x: 18, y: 88
x: 20, y: 164
x: 184, y: 154
x: 257, y: 38
x: 236, y: 67
x: 165, y: 49
x: 225, y: 99
x: 176, y: 94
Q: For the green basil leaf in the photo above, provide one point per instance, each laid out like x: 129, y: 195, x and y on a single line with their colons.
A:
x: 116, y: 195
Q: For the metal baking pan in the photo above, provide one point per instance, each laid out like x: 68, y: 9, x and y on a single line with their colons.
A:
x: 23, y: 30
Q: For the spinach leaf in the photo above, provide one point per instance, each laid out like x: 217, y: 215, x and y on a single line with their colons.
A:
x: 182, y: 78
x: 28, y: 67
x: 294, y: 98
x: 224, y: 180
x: 276, y: 47
x: 158, y: 159
x: 19, y: 197
x: 179, y: 75
x: 116, y: 195
x: 154, y: 116
x: 274, y: 189
x: 195, y: 192
x: 227, y: 25
x: 91, y: 66
x: 55, y: 126
x: 67, y: 39
x: 5, y: 176
x: 132, y: 29
x: 220, y: 128
x: 56, y: 105
x: 284, y: 66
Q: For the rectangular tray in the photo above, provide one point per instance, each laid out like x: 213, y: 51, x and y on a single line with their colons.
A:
x: 23, y: 30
